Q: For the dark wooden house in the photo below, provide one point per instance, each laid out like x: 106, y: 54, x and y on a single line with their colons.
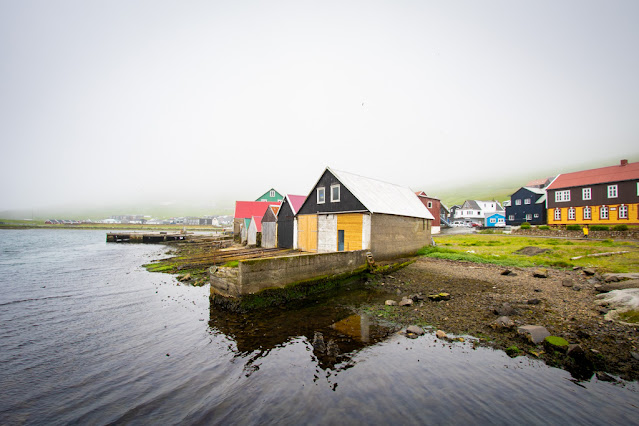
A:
x: 527, y: 204
x: 286, y: 220
x: 347, y: 212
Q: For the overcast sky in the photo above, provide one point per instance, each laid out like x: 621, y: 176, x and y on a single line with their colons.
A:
x: 170, y: 101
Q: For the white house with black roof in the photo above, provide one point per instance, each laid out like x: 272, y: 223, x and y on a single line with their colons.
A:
x: 476, y: 211
x: 347, y: 212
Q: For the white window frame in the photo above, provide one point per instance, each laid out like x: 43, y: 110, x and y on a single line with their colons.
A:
x: 518, y: 202
x: 613, y: 191
x: 321, y: 199
x: 527, y: 201
x: 586, y: 194
x: 623, y: 212
x: 572, y: 213
x: 493, y: 220
x: 511, y: 217
x: 528, y: 217
x: 430, y: 204
x: 587, y: 213
x: 562, y: 196
x: 272, y: 193
x: 604, y: 212
x: 557, y: 214
x: 536, y: 215
x: 339, y: 192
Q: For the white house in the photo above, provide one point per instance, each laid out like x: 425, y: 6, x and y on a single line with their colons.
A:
x: 477, y: 211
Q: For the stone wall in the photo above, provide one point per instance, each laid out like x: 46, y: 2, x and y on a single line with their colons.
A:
x: 396, y: 236
x: 254, y: 275
x: 562, y: 233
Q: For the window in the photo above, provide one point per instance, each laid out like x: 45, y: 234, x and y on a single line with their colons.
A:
x: 430, y: 204
x: 571, y: 213
x: 518, y: 202
x: 562, y: 196
x: 603, y: 212
x: 623, y: 212
x: 511, y: 217
x: 587, y: 213
x: 321, y: 195
x: 527, y: 201
x: 272, y: 193
x: 557, y: 214
x: 528, y: 217
x: 501, y: 220
x: 586, y: 194
x: 334, y: 193
x: 612, y: 191
x: 536, y: 215
x: 492, y: 220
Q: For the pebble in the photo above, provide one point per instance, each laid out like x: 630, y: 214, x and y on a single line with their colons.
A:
x: 440, y: 334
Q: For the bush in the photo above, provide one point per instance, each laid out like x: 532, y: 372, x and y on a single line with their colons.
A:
x: 599, y: 228
x: 525, y: 225
x: 544, y: 227
x: 573, y: 228
x: 620, y: 228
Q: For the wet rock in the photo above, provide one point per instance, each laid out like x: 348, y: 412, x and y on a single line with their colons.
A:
x: 413, y: 329
x: 540, y: 273
x: 589, y: 271
x: 575, y: 351
x: 440, y: 334
x: 535, y: 333
x: 416, y: 297
x: 567, y: 283
x: 318, y: 342
x: 635, y: 355
x: 504, y: 310
x: 533, y: 301
x: 604, y: 377
x: 504, y: 322
x: 406, y: 302
x: 390, y: 303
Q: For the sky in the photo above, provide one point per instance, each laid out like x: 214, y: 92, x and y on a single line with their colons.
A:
x: 171, y: 102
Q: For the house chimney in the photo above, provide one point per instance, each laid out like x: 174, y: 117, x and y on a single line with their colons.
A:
x: 624, y: 162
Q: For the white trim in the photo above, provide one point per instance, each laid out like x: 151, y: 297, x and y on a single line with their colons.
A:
x: 586, y: 194
x: 323, y: 192
x: 339, y: 192
x: 613, y: 191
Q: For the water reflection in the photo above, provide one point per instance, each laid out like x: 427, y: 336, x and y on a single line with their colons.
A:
x: 327, y: 326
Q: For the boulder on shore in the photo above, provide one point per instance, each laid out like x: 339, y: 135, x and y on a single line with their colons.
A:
x: 535, y: 333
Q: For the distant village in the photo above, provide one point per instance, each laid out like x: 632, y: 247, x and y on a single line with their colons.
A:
x: 346, y: 212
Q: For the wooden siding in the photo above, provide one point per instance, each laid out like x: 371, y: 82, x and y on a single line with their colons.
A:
x: 347, y: 203
x: 628, y: 193
x: 269, y: 234
x: 285, y: 220
x: 307, y: 232
x: 613, y: 216
x: 351, y: 224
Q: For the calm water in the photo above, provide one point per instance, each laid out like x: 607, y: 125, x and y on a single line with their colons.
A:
x: 88, y: 336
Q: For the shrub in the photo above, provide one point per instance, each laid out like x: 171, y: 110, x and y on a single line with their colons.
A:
x: 599, y: 228
x: 573, y: 228
x: 525, y: 225
x: 620, y: 228
x: 544, y: 227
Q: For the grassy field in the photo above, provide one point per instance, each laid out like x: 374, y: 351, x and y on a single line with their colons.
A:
x: 501, y: 250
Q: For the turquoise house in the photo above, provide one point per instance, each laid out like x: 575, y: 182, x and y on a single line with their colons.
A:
x: 495, y: 220
x: 271, y: 196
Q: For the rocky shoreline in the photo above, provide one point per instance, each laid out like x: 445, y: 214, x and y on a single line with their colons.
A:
x: 496, y: 304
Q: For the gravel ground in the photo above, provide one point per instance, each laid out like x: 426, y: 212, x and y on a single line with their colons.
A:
x: 564, y: 303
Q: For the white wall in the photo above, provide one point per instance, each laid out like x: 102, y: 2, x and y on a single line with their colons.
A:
x: 326, y: 233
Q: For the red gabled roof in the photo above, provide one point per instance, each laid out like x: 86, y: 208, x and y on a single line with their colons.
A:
x: 248, y: 209
x: 630, y: 171
x: 296, y: 202
x: 258, y: 223
x: 423, y: 195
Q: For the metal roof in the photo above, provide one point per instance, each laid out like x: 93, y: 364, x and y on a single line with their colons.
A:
x: 383, y: 197
x: 624, y: 171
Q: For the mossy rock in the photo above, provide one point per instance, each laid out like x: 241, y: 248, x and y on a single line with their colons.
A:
x: 513, y: 351
x: 555, y: 343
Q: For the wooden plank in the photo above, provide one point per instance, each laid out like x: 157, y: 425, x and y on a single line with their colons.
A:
x: 307, y: 233
x: 351, y: 224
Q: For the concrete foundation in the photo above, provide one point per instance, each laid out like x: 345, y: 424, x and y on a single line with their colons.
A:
x: 254, y: 275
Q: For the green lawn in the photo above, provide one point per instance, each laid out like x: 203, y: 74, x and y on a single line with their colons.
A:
x: 500, y: 250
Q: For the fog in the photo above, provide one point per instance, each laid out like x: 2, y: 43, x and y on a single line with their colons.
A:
x: 210, y: 102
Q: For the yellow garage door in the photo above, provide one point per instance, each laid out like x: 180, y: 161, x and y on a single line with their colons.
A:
x: 351, y: 237
x: 307, y: 232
